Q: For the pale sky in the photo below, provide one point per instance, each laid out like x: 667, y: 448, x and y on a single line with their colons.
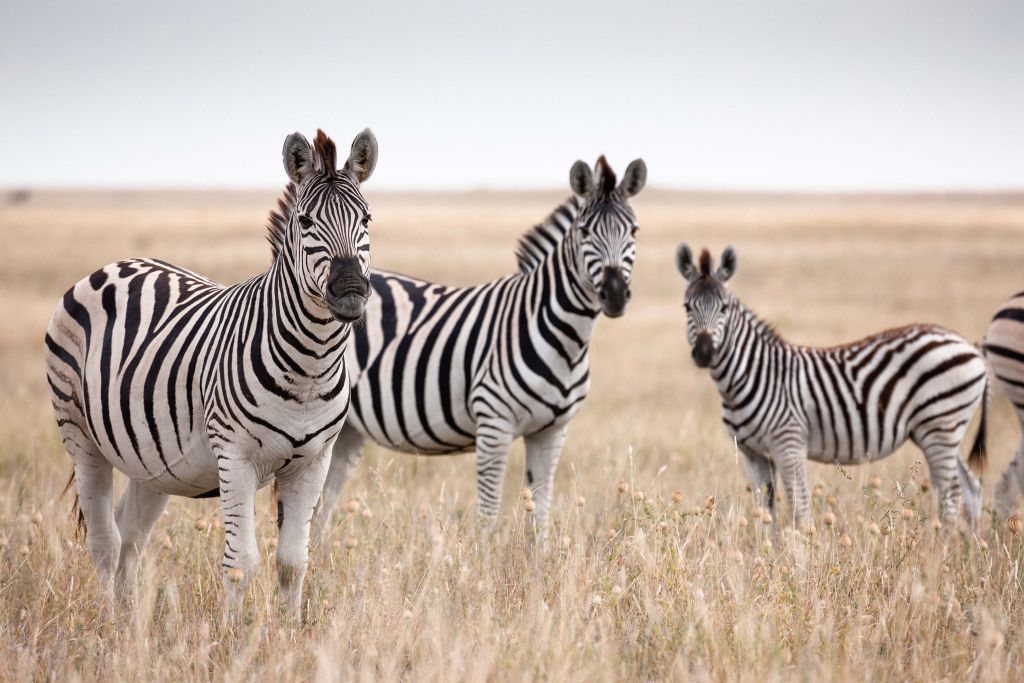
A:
x: 888, y: 95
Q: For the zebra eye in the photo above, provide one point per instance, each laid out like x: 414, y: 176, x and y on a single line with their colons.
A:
x: 725, y: 307
x: 306, y: 221
x: 585, y: 231
x: 632, y: 231
x: 686, y: 305
x: 366, y: 221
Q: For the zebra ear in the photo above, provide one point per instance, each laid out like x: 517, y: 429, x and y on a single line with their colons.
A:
x: 727, y: 264
x: 684, y: 262
x: 298, y: 157
x: 581, y: 179
x: 363, y: 157
x: 634, y: 178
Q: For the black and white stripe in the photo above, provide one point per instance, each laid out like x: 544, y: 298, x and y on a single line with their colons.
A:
x: 194, y: 389
x: 846, y: 404
x: 443, y: 369
x: 1004, y: 348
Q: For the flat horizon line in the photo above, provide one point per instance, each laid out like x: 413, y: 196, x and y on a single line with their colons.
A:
x: 515, y: 190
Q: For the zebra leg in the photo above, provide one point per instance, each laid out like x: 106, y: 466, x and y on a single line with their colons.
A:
x: 297, y: 495
x: 238, y: 484
x: 792, y: 462
x: 94, y: 482
x: 762, y: 480
x: 136, y: 514
x: 971, y: 488
x: 492, y: 444
x: 1011, y: 485
x: 542, y: 452
x: 943, y: 460
x: 348, y: 450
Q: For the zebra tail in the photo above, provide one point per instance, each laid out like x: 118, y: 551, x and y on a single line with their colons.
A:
x: 979, y: 454
x: 76, y: 509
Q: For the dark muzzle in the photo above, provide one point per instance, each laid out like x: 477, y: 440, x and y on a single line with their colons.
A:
x: 614, y: 293
x: 347, y: 289
x: 703, y: 349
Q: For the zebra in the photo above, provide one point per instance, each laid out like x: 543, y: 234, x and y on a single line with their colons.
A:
x: 194, y: 389
x: 847, y: 404
x: 443, y: 369
x: 1004, y: 349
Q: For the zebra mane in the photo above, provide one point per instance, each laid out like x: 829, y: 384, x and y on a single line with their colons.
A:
x: 535, y: 245
x: 277, y: 221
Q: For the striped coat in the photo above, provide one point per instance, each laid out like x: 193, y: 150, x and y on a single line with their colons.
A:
x: 849, y: 404
x: 194, y: 389
x: 1004, y: 348
x: 445, y: 369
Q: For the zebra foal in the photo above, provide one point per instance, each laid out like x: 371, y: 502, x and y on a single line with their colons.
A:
x: 846, y: 404
x: 194, y: 389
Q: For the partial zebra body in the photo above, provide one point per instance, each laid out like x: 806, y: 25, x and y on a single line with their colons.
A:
x: 440, y: 369
x: 195, y: 389
x: 478, y: 357
x: 850, y: 404
x: 158, y: 379
x: 1004, y: 348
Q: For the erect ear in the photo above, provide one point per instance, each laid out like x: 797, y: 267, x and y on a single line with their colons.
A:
x: 581, y: 180
x: 298, y: 157
x: 727, y: 264
x: 363, y: 157
x: 684, y: 262
x: 635, y: 178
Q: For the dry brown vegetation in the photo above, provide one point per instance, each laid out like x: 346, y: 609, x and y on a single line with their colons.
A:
x: 646, y: 584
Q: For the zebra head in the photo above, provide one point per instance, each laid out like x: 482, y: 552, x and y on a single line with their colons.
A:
x: 607, y: 229
x: 327, y: 231
x: 707, y: 301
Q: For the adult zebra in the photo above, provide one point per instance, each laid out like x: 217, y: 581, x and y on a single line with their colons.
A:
x: 846, y: 404
x: 443, y: 368
x: 194, y: 389
x: 1004, y: 348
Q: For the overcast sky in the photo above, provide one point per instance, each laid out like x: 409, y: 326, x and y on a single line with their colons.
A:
x: 889, y: 94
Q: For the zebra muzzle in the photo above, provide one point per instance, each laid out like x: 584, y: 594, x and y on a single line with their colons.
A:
x: 614, y: 293
x: 347, y: 289
x: 703, y: 349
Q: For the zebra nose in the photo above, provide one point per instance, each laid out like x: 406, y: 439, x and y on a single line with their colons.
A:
x: 346, y: 278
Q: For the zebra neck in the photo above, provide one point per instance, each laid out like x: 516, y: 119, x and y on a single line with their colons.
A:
x: 300, y: 336
x: 747, y: 343
x: 563, y: 302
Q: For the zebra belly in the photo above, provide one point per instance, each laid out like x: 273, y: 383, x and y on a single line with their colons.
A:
x: 434, y: 436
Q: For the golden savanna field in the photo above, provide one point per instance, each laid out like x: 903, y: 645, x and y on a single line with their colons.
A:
x: 674, y: 579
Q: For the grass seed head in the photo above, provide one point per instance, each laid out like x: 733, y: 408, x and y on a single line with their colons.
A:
x: 907, y: 513
x: 638, y: 496
x: 351, y: 542
x: 235, y: 574
x: 580, y: 501
x: 677, y: 497
x: 352, y: 506
x: 367, y: 514
x: 529, y: 505
x: 526, y: 493
x: 829, y: 518
x: 1014, y: 524
x: 846, y: 541
x: 875, y: 482
x: 622, y: 487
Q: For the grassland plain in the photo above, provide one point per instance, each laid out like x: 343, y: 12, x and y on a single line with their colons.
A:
x: 675, y: 578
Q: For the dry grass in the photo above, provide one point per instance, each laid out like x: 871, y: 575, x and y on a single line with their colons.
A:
x: 632, y: 587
